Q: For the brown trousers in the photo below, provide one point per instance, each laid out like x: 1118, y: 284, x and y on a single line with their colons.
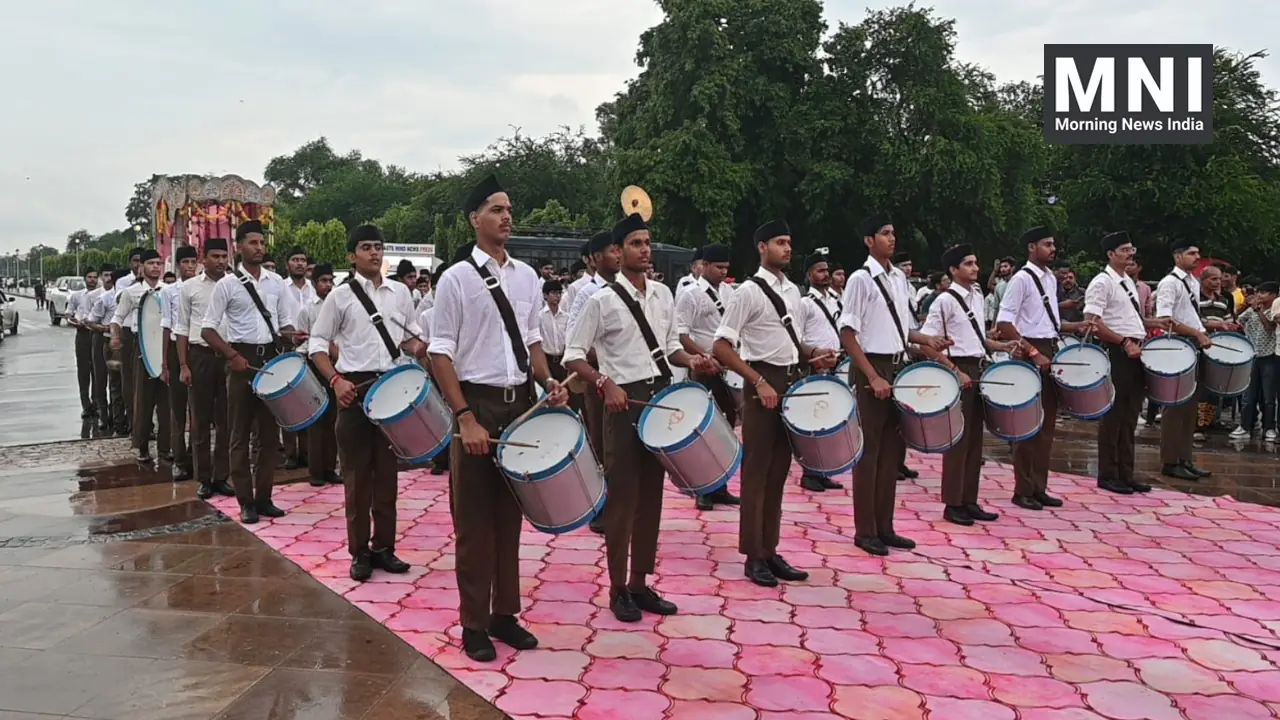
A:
x: 150, y: 409
x: 1178, y: 425
x: 724, y: 398
x: 556, y: 366
x: 1116, y: 429
x: 766, y: 460
x: 370, y: 478
x: 593, y: 409
x: 962, y: 464
x: 487, y: 520
x: 208, y: 397
x: 875, y: 479
x: 128, y: 353
x: 84, y: 366
x: 1031, y: 457
x: 179, y: 414
x: 322, y: 442
x: 244, y: 411
x: 634, y: 509
x: 295, y: 443
x: 101, y: 380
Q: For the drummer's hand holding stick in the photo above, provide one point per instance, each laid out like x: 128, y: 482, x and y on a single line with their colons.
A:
x: 615, y: 398
x: 823, y: 359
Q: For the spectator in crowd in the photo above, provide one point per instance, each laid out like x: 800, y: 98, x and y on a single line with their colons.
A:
x: 938, y: 283
x: 1260, y: 327
x: 1217, y: 309
x: 1146, y: 299
x: 1070, y: 297
x: 1231, y: 288
x: 1000, y: 275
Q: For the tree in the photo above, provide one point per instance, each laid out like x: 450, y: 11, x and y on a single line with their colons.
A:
x: 449, y: 236
x: 553, y: 215
x: 326, y: 242
x: 78, y: 239
x: 298, y: 173
x: 140, y: 210
x: 41, y: 250
x: 407, y: 224
x: 355, y: 194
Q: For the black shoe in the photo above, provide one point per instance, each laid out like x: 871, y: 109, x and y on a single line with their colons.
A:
x: 956, y: 516
x: 976, y: 511
x: 1138, y: 487
x: 387, y: 560
x: 812, y: 482
x: 362, y: 566
x: 597, y: 523
x: 506, y: 629
x: 908, y: 473
x: 782, y: 570
x: 758, y: 572
x: 1179, y: 472
x: 1195, y: 470
x: 86, y: 414
x: 478, y: 646
x: 248, y: 515
x: 724, y: 497
x: 703, y: 502
x: 872, y: 546
x: 267, y: 509
x: 292, y: 463
x: 624, y: 607
x: 334, y: 478
x: 223, y: 488
x: 181, y: 473
x: 144, y: 457
x: 437, y: 470
x: 898, y: 542
x: 651, y: 602
x: 1119, y: 487
x: 830, y: 484
x: 1026, y: 502
x: 317, y: 481
x: 103, y: 428
x: 1048, y: 500
x: 205, y: 491
x: 167, y: 457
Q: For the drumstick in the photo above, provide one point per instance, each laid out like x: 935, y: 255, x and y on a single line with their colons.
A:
x: 918, y: 387
x: 653, y: 405
x: 496, y: 441
x: 809, y: 394
x: 258, y: 369
x: 996, y: 382
x: 542, y: 402
x: 1228, y: 347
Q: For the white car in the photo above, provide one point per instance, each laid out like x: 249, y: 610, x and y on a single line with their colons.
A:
x: 8, y: 315
x: 60, y: 294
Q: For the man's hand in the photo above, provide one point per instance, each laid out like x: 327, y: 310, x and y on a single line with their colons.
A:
x: 1042, y: 361
x: 966, y: 382
x: 825, y: 360
x: 300, y: 337
x: 475, y: 439
x: 1132, y: 349
x: 557, y: 394
x: 936, y: 343
x: 703, y: 365
x: 768, y: 396
x: 184, y: 375
x: 345, y: 390
x: 115, y: 343
x: 164, y: 375
x: 881, y: 388
x: 237, y: 363
x: 1203, y: 341
x: 615, y: 398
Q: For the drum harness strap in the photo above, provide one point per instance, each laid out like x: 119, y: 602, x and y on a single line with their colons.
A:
x: 827, y: 314
x: 1048, y: 309
x: 656, y: 353
x: 508, y: 315
x: 893, y: 312
x: 715, y: 300
x: 785, y: 317
x: 249, y: 286
x: 375, y: 316
x: 973, y: 323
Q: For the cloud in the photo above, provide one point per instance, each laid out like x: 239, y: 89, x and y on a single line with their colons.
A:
x: 105, y: 94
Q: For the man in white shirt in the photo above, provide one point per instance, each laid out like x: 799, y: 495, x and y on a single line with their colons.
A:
x: 253, y: 338
x: 631, y: 373
x: 819, y: 310
x: 698, y: 316
x: 553, y: 323
x: 1029, y: 313
x: 128, y: 345
x: 98, y: 362
x: 184, y: 259
x: 572, y: 290
x: 487, y: 375
x: 204, y: 371
x: 1178, y: 300
x: 322, y: 443
x: 368, y: 349
x: 875, y: 329
x: 696, y: 269
x: 295, y: 263
x: 1111, y: 301
x: 150, y: 396
x: 958, y: 315
x: 111, y: 415
x: 757, y: 340
x: 78, y: 307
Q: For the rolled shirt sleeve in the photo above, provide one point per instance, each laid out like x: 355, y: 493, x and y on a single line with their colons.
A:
x: 325, y: 328
x: 447, y: 321
x: 583, y: 333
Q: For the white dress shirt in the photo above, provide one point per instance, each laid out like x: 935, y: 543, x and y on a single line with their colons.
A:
x: 947, y: 319
x: 103, y: 309
x: 1023, y: 305
x: 688, y: 282
x: 1111, y: 296
x: 169, y: 306
x: 85, y: 307
x: 698, y: 316
x: 193, y: 303
x: 554, y: 329
x: 75, y: 302
x: 344, y: 322
x: 126, y: 315
x: 865, y: 311
x: 302, y: 296
x: 307, y: 317
x: 571, y: 291
x: 1178, y: 297
x: 580, y: 301
x: 425, y: 317
x: 608, y: 327
x: 468, y: 329
x: 125, y: 282
x: 230, y: 301
x: 752, y: 324
x: 817, y: 330
x: 428, y: 299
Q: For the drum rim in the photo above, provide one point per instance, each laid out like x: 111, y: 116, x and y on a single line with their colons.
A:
x: 295, y: 382
x: 853, y: 413
x: 1240, y: 364
x: 925, y: 363
x: 862, y: 448
x: 685, y: 442
x: 1178, y: 338
x: 559, y: 465
x: 1002, y: 406
x: 1083, y: 347
x: 397, y: 370
x: 154, y: 372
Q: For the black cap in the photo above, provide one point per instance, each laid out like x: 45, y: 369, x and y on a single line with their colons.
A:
x: 1111, y: 241
x: 899, y: 258
x: 119, y: 273
x: 321, y: 270
x: 294, y: 252
x: 186, y: 252
x: 817, y: 256
x: 697, y: 254
x: 480, y: 194
x: 1269, y: 286
x: 872, y: 225
x: 135, y: 252
x: 771, y: 230
x: 463, y: 252
x: 1035, y: 235
x: 213, y: 244
x: 405, y: 267
x: 268, y: 259
x: 600, y: 242
x: 243, y: 230
x: 715, y: 253
x: 626, y: 226
x: 363, y: 233
x: 149, y: 254
x: 955, y: 255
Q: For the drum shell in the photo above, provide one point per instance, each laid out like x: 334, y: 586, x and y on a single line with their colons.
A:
x: 702, y: 462
x: 1227, y: 379
x: 735, y: 390
x: 298, y: 405
x: 423, y: 429
x: 1088, y: 402
x: 827, y: 452
x: 935, y: 432
x: 1013, y: 423
x: 150, y: 334
x: 1171, y: 389
x: 567, y: 495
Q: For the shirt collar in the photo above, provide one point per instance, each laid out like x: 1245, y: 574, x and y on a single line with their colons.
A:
x: 777, y: 282
x: 1040, y: 272
x: 599, y: 280
x: 875, y: 267
x: 1115, y: 275
x: 1180, y: 273
x: 482, y: 258
x: 366, y: 284
x: 635, y: 293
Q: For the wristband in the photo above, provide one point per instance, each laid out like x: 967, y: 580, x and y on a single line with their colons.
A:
x: 1033, y: 352
x: 457, y: 414
x: 759, y: 381
x: 601, y: 380
x: 333, y: 380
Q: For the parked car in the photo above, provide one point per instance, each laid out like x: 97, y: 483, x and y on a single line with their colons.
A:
x: 8, y: 315
x: 60, y: 294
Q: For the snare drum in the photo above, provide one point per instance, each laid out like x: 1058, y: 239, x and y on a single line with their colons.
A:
x: 558, y: 484
x: 928, y: 399
x: 679, y: 374
x: 824, y: 429
x: 695, y: 444
x: 409, y: 409
x: 735, y: 383
x: 1082, y: 373
x: 843, y: 369
x: 150, y: 334
x: 292, y: 391
x: 1070, y: 340
x: 1228, y: 365
x: 1011, y: 399
x: 1170, y: 363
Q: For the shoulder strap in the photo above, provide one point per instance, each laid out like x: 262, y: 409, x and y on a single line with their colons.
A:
x: 888, y: 304
x: 656, y: 351
x: 367, y: 303
x: 508, y: 316
x: 1048, y: 308
x: 780, y: 308
x: 973, y: 320
x: 247, y: 282
x: 1132, y: 300
x: 825, y: 313
x: 716, y: 300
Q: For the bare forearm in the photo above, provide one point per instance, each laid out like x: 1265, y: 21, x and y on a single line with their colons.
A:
x: 728, y: 357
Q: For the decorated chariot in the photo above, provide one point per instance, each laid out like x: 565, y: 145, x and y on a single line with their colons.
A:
x: 189, y: 209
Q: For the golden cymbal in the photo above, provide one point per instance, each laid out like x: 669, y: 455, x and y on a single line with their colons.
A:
x: 636, y: 200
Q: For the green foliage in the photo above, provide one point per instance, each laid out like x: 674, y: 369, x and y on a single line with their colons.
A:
x: 326, y: 242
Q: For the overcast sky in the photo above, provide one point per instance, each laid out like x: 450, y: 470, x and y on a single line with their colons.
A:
x: 100, y: 95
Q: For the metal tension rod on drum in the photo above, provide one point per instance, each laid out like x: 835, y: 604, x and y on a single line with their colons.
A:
x: 655, y: 406
x: 808, y: 394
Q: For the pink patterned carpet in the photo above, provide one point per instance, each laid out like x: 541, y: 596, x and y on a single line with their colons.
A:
x: 1056, y: 615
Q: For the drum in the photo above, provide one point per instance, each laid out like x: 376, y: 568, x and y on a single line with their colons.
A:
x: 679, y: 375
x: 821, y: 415
x: 558, y: 484
x: 695, y: 443
x: 842, y: 371
x: 1070, y: 340
x: 411, y: 413
x: 1082, y: 373
x: 292, y: 391
x: 150, y: 335
x: 928, y: 399
x: 1010, y: 393
x: 1170, y: 362
x: 735, y: 384
x: 1228, y: 365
